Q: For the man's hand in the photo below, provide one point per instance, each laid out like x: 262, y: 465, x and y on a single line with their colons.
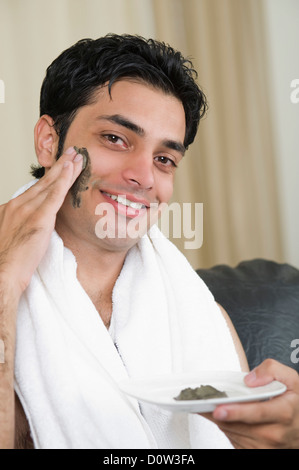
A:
x: 269, y: 424
x: 26, y: 222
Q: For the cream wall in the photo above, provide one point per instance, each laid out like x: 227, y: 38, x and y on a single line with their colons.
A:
x: 244, y: 163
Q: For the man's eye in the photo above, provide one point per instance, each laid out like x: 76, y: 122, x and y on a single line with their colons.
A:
x: 166, y: 161
x: 114, y: 139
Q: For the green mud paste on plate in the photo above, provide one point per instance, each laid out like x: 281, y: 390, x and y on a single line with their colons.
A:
x: 204, y: 392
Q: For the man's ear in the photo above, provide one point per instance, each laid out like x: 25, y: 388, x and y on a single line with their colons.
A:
x: 45, y: 141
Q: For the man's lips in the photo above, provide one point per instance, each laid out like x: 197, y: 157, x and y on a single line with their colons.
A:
x: 130, y: 207
x: 132, y: 202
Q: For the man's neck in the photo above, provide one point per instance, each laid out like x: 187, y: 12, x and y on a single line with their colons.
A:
x: 98, y: 275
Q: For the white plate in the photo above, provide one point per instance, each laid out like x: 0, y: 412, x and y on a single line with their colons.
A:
x: 161, y: 391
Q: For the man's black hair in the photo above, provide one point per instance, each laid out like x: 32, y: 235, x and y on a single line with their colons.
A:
x: 79, y: 71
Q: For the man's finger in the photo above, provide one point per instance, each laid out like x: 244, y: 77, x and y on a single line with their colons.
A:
x: 70, y: 155
x: 278, y: 409
x: 37, y: 193
x: 54, y: 194
x: 275, y: 410
x: 270, y: 370
x: 54, y: 186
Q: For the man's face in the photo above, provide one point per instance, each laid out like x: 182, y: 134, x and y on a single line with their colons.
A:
x: 135, y: 141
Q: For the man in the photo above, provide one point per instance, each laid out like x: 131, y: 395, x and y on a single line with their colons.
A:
x: 90, y: 303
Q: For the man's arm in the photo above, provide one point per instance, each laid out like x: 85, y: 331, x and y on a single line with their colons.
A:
x: 26, y: 225
x: 8, y: 307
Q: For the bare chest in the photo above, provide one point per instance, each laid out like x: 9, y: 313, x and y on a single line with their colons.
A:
x: 103, y: 303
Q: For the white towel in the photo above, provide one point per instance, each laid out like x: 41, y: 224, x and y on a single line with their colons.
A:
x: 68, y: 365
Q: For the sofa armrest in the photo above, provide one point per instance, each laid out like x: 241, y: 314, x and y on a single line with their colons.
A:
x: 262, y: 299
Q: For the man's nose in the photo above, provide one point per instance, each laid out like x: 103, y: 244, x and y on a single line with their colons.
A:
x: 139, y: 171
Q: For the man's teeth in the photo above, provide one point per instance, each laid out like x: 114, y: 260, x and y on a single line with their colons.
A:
x: 125, y: 201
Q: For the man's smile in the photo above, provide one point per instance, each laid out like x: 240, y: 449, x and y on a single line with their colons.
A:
x: 128, y: 206
x: 126, y: 202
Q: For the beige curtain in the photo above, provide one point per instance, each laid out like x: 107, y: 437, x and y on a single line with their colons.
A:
x: 230, y: 168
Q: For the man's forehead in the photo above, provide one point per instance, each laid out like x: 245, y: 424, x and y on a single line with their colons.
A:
x: 138, y: 108
x: 105, y: 92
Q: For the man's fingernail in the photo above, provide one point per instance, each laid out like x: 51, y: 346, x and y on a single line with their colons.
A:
x: 220, y: 414
x: 251, y: 377
x: 78, y: 157
x: 70, y: 150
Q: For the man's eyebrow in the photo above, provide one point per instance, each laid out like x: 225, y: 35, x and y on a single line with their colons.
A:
x: 174, y: 145
x: 123, y: 121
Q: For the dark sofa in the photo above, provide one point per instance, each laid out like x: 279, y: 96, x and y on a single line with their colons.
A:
x: 262, y: 299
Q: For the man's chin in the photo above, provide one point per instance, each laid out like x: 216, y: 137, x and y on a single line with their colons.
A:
x: 118, y: 244
x: 120, y: 229
x: 121, y: 237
